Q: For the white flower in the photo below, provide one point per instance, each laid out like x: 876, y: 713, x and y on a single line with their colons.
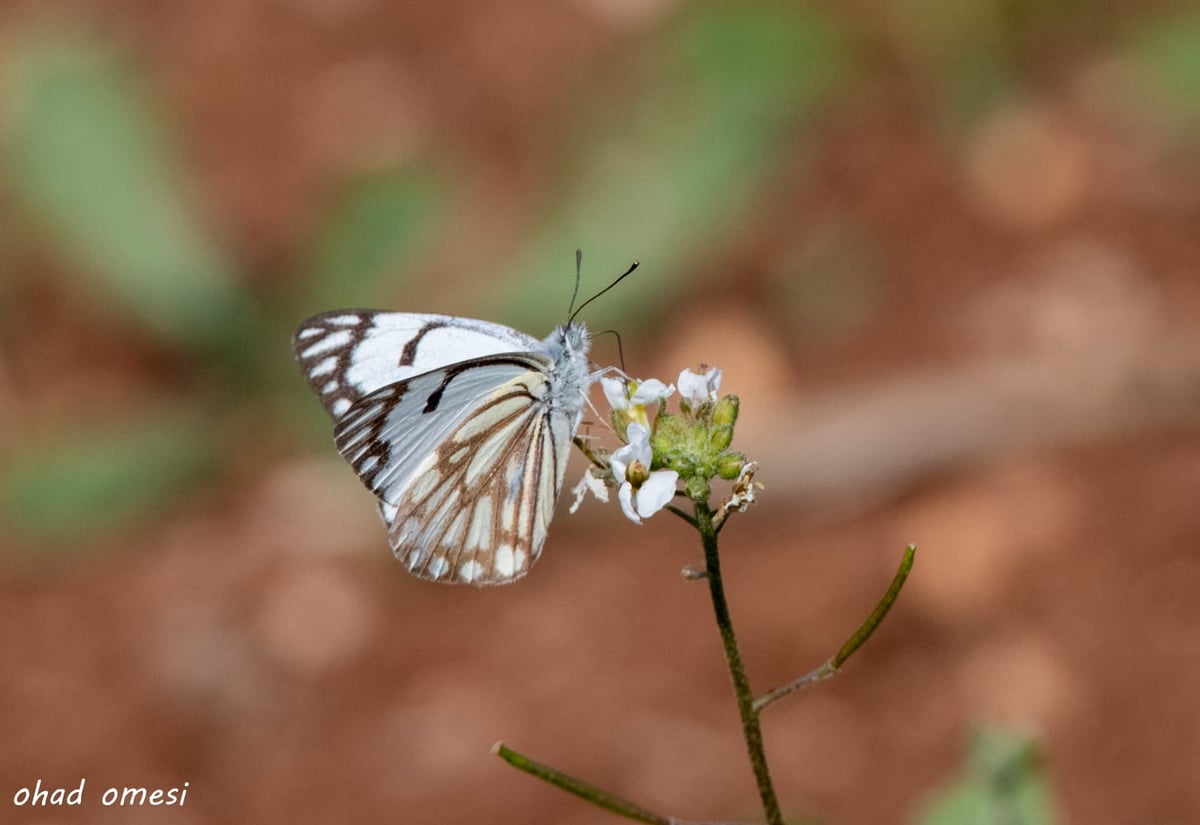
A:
x: 699, y: 388
x: 622, y: 394
x: 642, y: 493
x: 629, y: 398
x: 589, y: 483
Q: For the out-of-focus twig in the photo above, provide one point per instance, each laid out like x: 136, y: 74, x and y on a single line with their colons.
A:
x: 856, y: 445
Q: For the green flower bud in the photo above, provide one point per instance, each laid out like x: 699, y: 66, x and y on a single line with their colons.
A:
x: 729, y: 467
x: 697, y: 488
x: 670, y: 432
x: 719, y: 438
x: 725, y: 411
x: 682, y: 465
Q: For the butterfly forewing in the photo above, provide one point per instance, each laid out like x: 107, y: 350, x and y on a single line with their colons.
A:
x: 350, y: 353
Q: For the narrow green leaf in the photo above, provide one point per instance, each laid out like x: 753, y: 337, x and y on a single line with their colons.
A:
x: 87, y: 156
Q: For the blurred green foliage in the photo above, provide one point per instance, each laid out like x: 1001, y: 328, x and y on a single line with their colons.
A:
x: 965, y: 50
x: 670, y: 174
x: 89, y: 158
x: 1166, y: 51
x: 373, y: 236
x: 70, y: 485
x: 1004, y: 785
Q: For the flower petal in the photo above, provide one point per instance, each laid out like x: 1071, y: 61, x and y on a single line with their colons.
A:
x: 638, y: 433
x: 656, y: 492
x: 588, y: 483
x: 699, y: 388
x: 639, y: 443
x: 625, y: 496
x: 615, y: 393
x: 714, y: 381
x: 692, y: 387
x: 651, y: 391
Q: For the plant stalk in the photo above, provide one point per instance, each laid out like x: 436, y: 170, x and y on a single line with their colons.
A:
x: 751, y: 730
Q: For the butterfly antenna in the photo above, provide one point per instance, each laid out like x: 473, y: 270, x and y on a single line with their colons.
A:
x: 620, y: 350
x: 575, y: 294
x: 627, y: 273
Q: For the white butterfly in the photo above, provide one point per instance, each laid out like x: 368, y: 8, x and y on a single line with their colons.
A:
x: 462, y: 428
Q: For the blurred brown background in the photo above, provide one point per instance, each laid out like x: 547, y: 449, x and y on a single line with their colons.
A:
x: 945, y: 252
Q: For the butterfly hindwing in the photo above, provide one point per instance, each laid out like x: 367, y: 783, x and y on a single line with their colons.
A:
x: 480, y: 510
x: 392, y: 435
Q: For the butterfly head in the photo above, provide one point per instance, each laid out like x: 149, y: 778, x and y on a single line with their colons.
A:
x: 574, y: 337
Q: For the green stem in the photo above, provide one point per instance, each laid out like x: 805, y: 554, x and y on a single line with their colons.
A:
x: 831, y: 666
x: 673, y: 509
x: 570, y: 784
x: 751, y: 730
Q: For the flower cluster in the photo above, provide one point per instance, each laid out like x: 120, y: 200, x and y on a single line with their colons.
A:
x: 661, y: 451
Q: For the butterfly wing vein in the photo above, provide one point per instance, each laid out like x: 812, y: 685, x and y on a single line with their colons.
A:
x: 468, y: 458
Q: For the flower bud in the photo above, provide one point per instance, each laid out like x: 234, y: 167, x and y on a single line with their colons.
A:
x: 719, y: 438
x: 729, y: 466
x: 725, y: 411
x: 669, y: 434
x: 697, y: 488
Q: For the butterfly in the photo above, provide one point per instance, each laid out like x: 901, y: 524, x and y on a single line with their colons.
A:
x: 461, y: 428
